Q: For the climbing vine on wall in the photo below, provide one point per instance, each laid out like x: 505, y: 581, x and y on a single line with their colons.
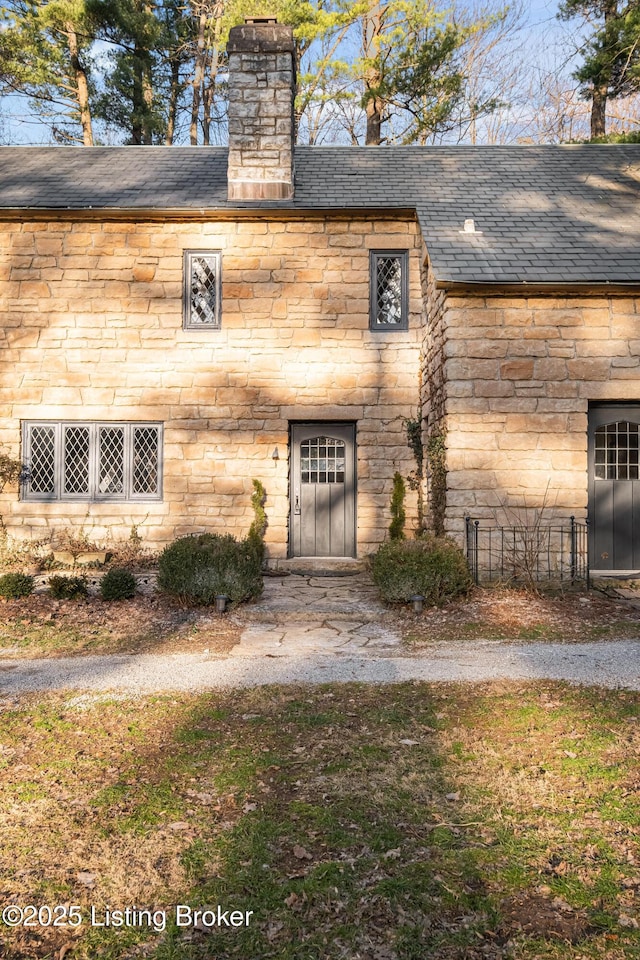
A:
x: 416, y: 477
x: 436, y: 457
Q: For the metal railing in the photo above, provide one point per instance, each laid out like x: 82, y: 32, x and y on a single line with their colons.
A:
x: 556, y: 552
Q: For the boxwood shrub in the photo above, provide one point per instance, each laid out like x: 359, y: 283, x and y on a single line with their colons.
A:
x: 67, y: 588
x: 15, y: 585
x: 118, y: 584
x: 199, y: 568
x: 433, y: 567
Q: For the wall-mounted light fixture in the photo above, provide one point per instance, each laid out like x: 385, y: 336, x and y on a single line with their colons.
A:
x: 275, y: 455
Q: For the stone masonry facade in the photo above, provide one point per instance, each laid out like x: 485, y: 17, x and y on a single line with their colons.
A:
x: 517, y: 379
x: 92, y: 331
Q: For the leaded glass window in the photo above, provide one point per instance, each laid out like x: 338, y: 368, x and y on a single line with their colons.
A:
x: 322, y: 460
x: 389, y: 290
x: 42, y: 473
x: 75, y: 476
x: 616, y: 451
x: 111, y: 460
x: 202, y: 289
x: 92, y: 461
x: 145, y: 460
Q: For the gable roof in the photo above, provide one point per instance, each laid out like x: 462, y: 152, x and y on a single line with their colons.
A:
x: 544, y: 214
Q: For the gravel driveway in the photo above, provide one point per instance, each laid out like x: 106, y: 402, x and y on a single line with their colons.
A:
x: 610, y: 664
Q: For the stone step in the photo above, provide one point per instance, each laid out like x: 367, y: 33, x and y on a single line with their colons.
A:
x: 317, y: 566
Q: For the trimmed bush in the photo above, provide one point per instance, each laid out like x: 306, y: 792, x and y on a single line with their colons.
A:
x: 67, y: 588
x: 433, y: 567
x: 258, y: 527
x: 199, y: 568
x: 117, y: 584
x: 15, y: 585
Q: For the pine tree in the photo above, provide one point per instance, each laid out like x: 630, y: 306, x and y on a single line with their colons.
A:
x: 611, y: 55
x: 45, y: 53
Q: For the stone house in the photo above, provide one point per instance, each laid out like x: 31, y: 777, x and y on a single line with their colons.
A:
x: 179, y: 321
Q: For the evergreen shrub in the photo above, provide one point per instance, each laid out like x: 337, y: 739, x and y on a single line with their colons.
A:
x: 118, y: 584
x: 67, y: 588
x: 199, y: 568
x: 432, y: 567
x: 15, y: 585
x: 398, y: 513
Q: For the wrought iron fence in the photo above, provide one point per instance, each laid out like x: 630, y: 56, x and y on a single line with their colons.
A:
x: 555, y: 552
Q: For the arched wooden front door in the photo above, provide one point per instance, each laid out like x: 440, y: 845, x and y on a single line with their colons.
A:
x: 614, y: 488
x: 323, y: 490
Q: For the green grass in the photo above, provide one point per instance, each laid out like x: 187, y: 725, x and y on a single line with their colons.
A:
x: 306, y: 807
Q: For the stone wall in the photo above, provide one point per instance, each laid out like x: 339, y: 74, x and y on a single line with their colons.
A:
x: 520, y: 373
x: 91, y: 327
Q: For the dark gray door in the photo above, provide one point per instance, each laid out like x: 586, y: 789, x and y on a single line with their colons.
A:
x: 614, y: 487
x: 323, y: 490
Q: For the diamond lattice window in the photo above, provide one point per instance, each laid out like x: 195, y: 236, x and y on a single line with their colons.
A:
x: 202, y: 289
x: 92, y: 461
x: 616, y: 451
x: 111, y: 460
x: 322, y: 460
x: 76, y: 461
x: 389, y: 290
x: 145, y: 460
x: 42, y: 474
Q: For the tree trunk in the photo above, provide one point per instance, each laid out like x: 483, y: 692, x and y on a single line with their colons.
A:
x: 198, y: 79
x: 374, y: 124
x: 599, y: 112
x: 173, y: 102
x: 137, y: 100
x: 209, y: 86
x: 600, y: 90
x: 371, y: 28
x: 147, y: 99
x: 82, y: 85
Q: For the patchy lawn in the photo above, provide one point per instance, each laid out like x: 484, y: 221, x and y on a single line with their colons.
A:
x: 503, y: 613
x: 396, y: 823
x: 38, y: 626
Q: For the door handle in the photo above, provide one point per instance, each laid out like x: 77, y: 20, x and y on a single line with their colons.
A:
x: 296, y: 506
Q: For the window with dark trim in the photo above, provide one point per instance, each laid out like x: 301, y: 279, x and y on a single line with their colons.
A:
x: 91, y: 461
x: 389, y: 298
x: 617, y: 450
x: 201, y: 300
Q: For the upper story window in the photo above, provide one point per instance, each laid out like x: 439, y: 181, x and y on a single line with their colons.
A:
x: 389, y: 278
x: 202, y: 289
x: 92, y: 461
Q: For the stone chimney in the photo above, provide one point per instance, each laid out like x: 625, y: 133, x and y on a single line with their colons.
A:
x: 261, y: 100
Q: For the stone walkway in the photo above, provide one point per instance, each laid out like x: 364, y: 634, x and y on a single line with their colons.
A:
x: 301, y: 615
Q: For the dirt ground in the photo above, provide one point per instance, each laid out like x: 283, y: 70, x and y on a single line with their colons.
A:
x: 39, y: 626
x: 503, y: 613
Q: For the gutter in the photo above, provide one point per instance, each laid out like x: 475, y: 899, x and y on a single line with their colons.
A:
x: 524, y: 288
x: 202, y: 214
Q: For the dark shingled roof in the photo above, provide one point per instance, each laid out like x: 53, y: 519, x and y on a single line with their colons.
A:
x: 548, y: 214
